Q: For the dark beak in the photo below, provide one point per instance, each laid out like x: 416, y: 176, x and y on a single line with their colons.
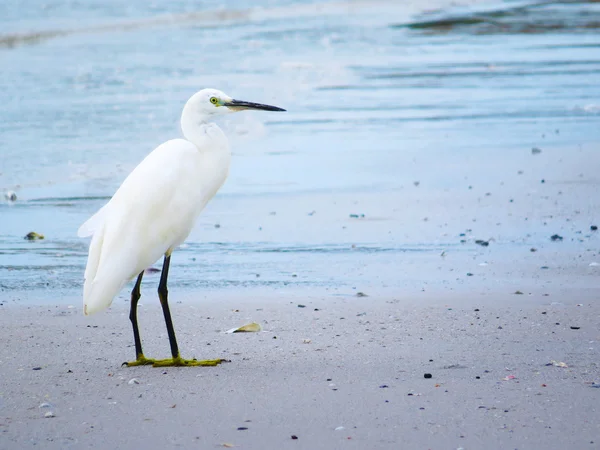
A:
x: 238, y: 105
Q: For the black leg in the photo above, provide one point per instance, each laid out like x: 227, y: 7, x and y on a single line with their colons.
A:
x: 135, y: 296
x: 162, y: 295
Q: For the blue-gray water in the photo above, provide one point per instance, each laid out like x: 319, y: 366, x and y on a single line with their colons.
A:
x: 88, y: 88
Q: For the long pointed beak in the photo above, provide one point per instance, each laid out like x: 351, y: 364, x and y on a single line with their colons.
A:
x: 239, y: 105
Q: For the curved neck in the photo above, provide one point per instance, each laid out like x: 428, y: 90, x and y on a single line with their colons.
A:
x: 193, y: 125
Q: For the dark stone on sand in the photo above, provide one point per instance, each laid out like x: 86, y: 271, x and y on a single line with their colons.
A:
x: 427, y: 375
x: 482, y: 242
x: 575, y: 328
x: 556, y: 237
x: 594, y: 228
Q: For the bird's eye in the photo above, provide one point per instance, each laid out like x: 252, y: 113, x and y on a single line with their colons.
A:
x: 214, y: 100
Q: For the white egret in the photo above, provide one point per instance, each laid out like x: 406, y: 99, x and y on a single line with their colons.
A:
x: 154, y: 210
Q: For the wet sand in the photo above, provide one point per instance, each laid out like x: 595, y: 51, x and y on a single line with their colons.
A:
x: 359, y: 363
x: 509, y: 335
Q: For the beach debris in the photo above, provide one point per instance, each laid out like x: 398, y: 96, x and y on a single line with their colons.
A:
x: 482, y: 242
x: 361, y: 294
x: 469, y: 274
x: 536, y: 151
x: 557, y: 364
x: 357, y: 216
x: 518, y: 293
x: 594, y: 228
x: 11, y: 196
x: 383, y: 386
x: 33, y: 236
x: 133, y: 381
x: 454, y: 366
x: 36, y: 368
x: 301, y: 306
x: 361, y: 314
x: 340, y: 428
x: 575, y: 328
x: 251, y: 327
x: 509, y: 377
x: 45, y: 405
x: 556, y: 237
x: 427, y: 375
x: 49, y: 415
x: 242, y: 428
x: 533, y: 249
x: 294, y: 437
x: 306, y: 341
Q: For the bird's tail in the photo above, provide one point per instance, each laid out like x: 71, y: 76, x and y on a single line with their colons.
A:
x: 100, y: 286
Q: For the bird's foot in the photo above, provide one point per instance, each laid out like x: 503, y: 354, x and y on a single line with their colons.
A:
x: 140, y: 361
x: 180, y: 362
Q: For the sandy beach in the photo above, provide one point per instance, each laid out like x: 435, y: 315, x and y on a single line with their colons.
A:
x: 509, y: 335
x: 417, y: 235
x: 506, y: 372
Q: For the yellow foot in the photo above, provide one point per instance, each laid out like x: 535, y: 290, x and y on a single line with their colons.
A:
x: 140, y: 361
x: 180, y: 362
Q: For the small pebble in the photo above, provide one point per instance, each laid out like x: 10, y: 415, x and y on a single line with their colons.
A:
x: 37, y: 368
x: 301, y: 306
x: 33, y: 236
x: 556, y: 237
x: 594, y: 228
x: 575, y: 328
x: 536, y: 151
x: 361, y: 294
x: 49, y: 414
x: 294, y: 437
x: 242, y: 428
x: 427, y: 375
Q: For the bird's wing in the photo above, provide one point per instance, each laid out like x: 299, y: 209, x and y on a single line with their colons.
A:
x: 93, y: 223
x: 143, y: 220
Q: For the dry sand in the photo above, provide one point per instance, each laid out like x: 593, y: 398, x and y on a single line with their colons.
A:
x: 343, y: 373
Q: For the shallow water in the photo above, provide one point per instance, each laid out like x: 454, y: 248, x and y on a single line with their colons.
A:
x: 378, y: 96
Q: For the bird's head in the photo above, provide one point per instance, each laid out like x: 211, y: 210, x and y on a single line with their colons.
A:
x: 212, y: 102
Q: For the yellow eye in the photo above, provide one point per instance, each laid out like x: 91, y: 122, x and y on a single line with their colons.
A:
x: 214, y: 100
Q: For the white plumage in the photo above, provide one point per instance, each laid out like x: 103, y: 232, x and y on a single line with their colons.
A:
x: 154, y: 211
